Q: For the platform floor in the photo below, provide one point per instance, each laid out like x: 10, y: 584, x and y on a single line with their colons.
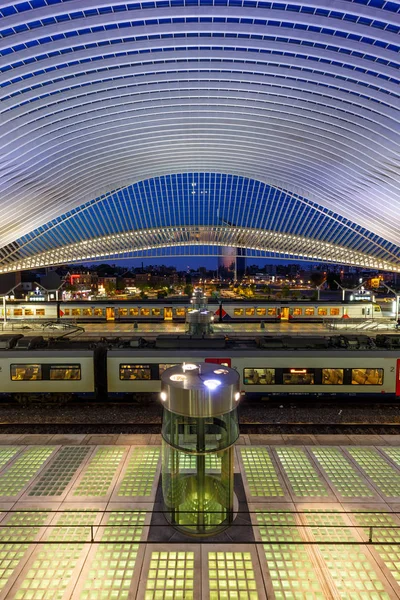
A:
x: 311, y: 506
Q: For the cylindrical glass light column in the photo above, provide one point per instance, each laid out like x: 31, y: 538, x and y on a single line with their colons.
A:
x: 199, y: 429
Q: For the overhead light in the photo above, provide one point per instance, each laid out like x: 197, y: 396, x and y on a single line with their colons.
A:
x: 212, y: 384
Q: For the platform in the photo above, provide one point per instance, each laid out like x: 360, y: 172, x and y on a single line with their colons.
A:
x: 76, y: 514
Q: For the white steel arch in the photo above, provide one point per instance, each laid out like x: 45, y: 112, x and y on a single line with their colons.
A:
x: 98, y: 95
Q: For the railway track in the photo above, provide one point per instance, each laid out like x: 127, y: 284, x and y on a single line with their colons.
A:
x: 246, y: 428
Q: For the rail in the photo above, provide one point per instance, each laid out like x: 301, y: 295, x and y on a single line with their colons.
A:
x: 367, y: 533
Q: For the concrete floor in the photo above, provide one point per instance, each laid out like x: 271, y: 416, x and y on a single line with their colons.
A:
x: 313, y: 499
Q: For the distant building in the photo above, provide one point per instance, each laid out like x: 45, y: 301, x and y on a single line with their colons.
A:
x: 232, y: 262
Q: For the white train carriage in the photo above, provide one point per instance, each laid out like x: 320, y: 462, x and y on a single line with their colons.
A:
x: 305, y: 372
x: 40, y: 373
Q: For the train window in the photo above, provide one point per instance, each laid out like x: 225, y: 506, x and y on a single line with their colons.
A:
x: 40, y: 312
x: 17, y: 312
x: 367, y: 376
x: 332, y: 376
x: 87, y: 312
x: 140, y: 372
x: 249, y: 312
x: 144, y: 312
x: 309, y: 312
x: 297, y: 312
x: 335, y: 311
x: 259, y: 376
x: 98, y: 312
x: 26, y: 372
x: 66, y: 312
x: 180, y: 312
x: 298, y: 376
x: 156, y: 312
x: 238, y: 312
x: 123, y: 312
x: 76, y: 312
x: 323, y: 311
x: 28, y: 312
x: 134, y: 312
x: 64, y: 372
x: 272, y: 312
x: 261, y: 312
x: 164, y: 366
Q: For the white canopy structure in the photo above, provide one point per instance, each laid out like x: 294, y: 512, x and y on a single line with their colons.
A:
x: 176, y: 126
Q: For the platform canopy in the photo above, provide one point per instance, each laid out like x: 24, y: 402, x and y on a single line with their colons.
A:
x: 175, y: 126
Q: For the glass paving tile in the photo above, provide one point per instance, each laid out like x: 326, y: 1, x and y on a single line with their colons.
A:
x: 14, y: 479
x: 52, y: 568
x: 111, y: 572
x: 290, y: 568
x: 14, y: 541
x: 231, y: 576
x: 140, y: 472
x: 6, y: 454
x: 385, y: 477
x: 57, y: 477
x: 170, y: 576
x: 303, y: 478
x: 343, y: 476
x: 385, y: 540
x: 351, y: 572
x: 261, y: 474
x: 394, y: 454
x: 100, y: 472
x: 188, y: 461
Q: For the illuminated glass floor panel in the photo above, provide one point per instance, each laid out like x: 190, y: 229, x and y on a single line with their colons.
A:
x: 231, y: 576
x: 261, y: 474
x: 170, y: 576
x: 6, y: 454
x: 303, y: 478
x: 59, y: 474
x: 14, y: 540
x: 384, y: 537
x: 342, y: 475
x: 394, y: 454
x: 111, y: 571
x: 100, y: 472
x: 188, y: 462
x: 15, y: 478
x: 353, y: 575
x: 52, y: 568
x: 141, y: 470
x: 290, y: 568
x: 385, y: 477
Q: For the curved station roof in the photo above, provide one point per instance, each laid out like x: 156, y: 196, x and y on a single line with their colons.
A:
x: 170, y: 126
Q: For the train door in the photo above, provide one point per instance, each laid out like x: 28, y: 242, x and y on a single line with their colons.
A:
x: 110, y: 313
x: 398, y: 378
x: 284, y: 313
x: 226, y: 362
x: 167, y: 313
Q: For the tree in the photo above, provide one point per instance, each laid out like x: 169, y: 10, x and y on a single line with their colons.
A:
x: 285, y: 291
x: 332, y: 280
x: 110, y: 288
x: 317, y: 278
x: 188, y: 289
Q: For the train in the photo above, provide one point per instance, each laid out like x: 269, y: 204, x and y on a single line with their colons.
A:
x: 32, y: 369
x: 175, y: 310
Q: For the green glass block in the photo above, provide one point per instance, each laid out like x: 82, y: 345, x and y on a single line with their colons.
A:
x: 7, y: 453
x: 385, y: 477
x: 14, y: 540
x: 261, y: 475
x: 111, y: 571
x: 290, y: 568
x: 100, y: 472
x: 140, y: 472
x: 303, y: 478
x: 231, y: 575
x: 343, y: 476
x: 350, y: 570
x: 394, y: 454
x: 52, y: 568
x: 170, y: 576
x: 59, y: 474
x: 15, y: 478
